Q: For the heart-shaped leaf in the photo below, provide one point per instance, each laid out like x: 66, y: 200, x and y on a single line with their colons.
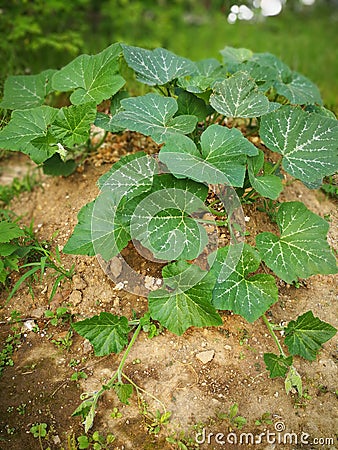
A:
x: 222, y: 157
x: 24, y: 127
x: 80, y: 242
x: 247, y: 296
x: 26, y: 91
x: 93, y: 78
x: 153, y: 115
x: 163, y: 220
x: 107, y: 333
x: 306, y: 335
x: 299, y: 90
x: 156, y: 67
x: 308, y: 142
x: 238, y: 96
x: 180, y: 309
x: 302, y: 249
x: 232, y: 57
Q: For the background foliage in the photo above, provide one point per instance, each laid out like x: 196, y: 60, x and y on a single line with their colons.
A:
x: 38, y: 34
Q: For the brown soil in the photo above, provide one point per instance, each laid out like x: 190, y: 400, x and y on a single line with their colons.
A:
x: 166, y: 366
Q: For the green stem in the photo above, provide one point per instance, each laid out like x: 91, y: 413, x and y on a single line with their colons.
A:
x: 98, y: 145
x: 126, y: 353
x: 216, y: 213
x: 273, y: 334
x: 275, y: 167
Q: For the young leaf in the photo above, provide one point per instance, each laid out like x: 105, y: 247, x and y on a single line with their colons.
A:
x: 123, y: 391
x: 107, y: 333
x: 56, y: 167
x: 266, y: 185
x: 156, y: 67
x: 93, y: 78
x: 189, y: 104
x: 24, y: 127
x: 163, y: 220
x: 307, y: 141
x: 306, y: 335
x: 302, y: 249
x: 277, y: 365
x: 293, y: 379
x: 238, y: 96
x: 247, y: 296
x: 222, y: 157
x: 72, y: 124
x: 80, y: 242
x: 26, y: 91
x: 105, y: 121
x: 180, y: 309
x: 9, y: 231
x: 153, y: 115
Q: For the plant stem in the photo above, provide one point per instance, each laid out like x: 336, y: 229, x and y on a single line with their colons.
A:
x: 275, y: 167
x: 98, y: 145
x: 126, y: 353
x: 145, y: 392
x: 273, y: 334
x: 216, y: 213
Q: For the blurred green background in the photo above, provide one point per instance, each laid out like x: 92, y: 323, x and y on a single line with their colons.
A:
x: 36, y: 35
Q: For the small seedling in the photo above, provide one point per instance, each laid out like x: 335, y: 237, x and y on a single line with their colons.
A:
x: 39, y: 431
x: 96, y: 441
x: 61, y: 315
x: 264, y: 420
x: 115, y: 414
x: 76, y: 376
x: 64, y: 343
x: 234, y: 419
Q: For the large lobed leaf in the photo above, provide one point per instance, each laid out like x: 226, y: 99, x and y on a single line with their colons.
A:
x: 26, y: 91
x: 189, y: 303
x: 24, y: 127
x: 238, y: 96
x: 307, y: 141
x: 247, y: 296
x: 306, y: 335
x: 302, y: 249
x: 153, y: 115
x: 156, y: 67
x: 107, y: 333
x: 222, y: 157
x: 93, y: 78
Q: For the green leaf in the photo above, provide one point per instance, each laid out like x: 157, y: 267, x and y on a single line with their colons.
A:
x: 269, y: 61
x: 131, y: 174
x: 266, y: 185
x: 277, y: 365
x: 189, y: 104
x: 156, y: 67
x: 93, y: 78
x: 153, y: 115
x: 105, y: 121
x: 123, y: 391
x: 24, y: 127
x: 9, y: 231
x: 247, y: 296
x: 163, y: 220
x: 26, y: 91
x: 56, y: 167
x: 72, y: 124
x: 109, y: 230
x: 306, y: 335
x: 293, y: 379
x: 6, y: 248
x: 80, y: 242
x: 180, y: 309
x: 302, y: 249
x: 222, y: 157
x: 107, y: 333
x: 308, y: 142
x: 238, y: 96
x: 232, y: 57
x: 299, y: 90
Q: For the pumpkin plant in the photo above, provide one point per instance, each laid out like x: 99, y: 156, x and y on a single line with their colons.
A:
x: 203, y: 115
